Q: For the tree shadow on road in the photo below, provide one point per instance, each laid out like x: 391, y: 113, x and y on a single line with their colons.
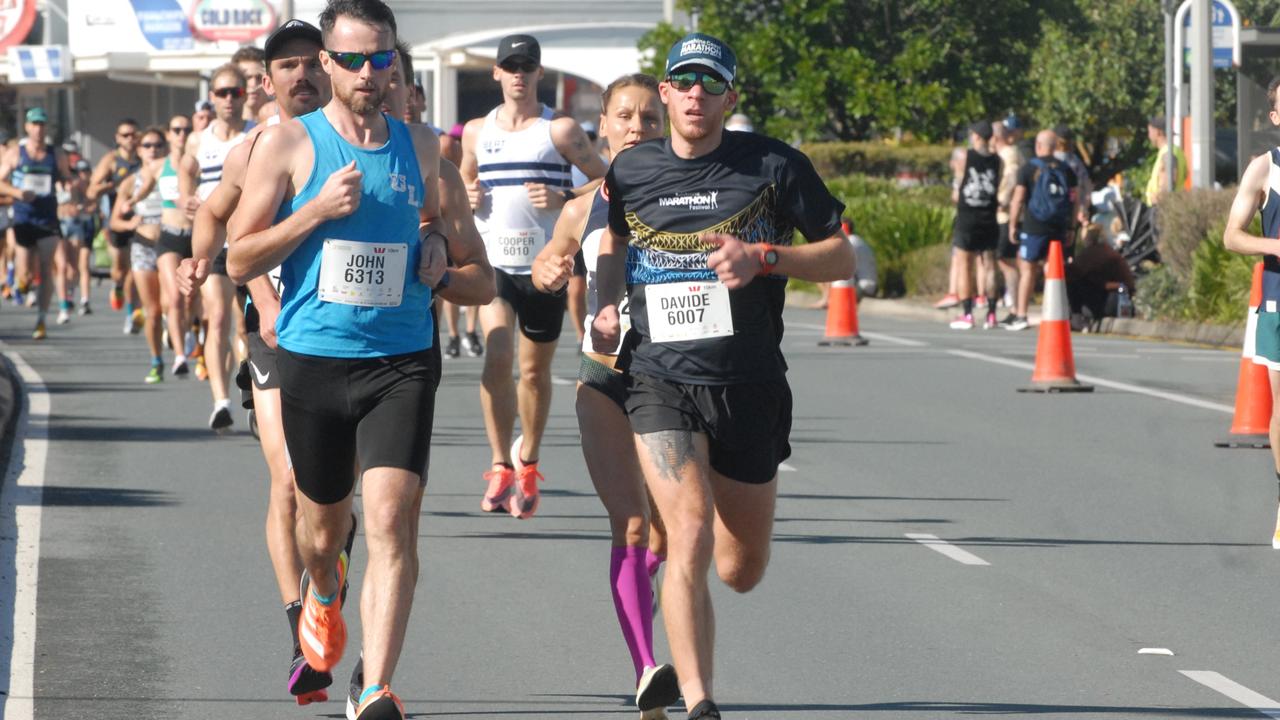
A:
x: 124, y: 433
x: 66, y: 496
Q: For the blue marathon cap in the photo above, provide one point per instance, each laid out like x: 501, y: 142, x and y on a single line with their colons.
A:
x: 702, y: 49
x: 37, y: 115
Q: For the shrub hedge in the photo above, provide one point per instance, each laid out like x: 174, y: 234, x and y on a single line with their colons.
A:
x: 834, y: 159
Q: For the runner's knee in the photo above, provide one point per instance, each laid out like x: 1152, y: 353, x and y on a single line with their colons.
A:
x: 742, y: 572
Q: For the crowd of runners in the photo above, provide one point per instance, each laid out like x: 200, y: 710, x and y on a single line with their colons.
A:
x: 304, y: 229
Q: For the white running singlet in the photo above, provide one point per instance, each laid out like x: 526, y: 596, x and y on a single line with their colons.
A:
x: 211, y: 155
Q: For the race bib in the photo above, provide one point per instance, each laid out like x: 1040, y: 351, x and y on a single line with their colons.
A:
x: 168, y: 185
x: 688, y: 311
x: 37, y: 183
x: 364, y: 274
x: 518, y: 247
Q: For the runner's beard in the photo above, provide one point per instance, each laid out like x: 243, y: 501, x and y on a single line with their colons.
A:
x: 360, y: 104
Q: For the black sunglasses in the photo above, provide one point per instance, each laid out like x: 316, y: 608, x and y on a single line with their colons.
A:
x: 235, y: 91
x: 353, y: 61
x: 520, y: 66
x: 712, y: 83
x: 152, y: 145
x: 180, y: 129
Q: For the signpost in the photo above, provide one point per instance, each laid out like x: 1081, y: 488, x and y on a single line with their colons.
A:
x: 1225, y: 53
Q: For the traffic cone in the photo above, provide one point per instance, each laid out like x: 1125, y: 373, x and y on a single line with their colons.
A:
x: 1055, y: 364
x: 1252, y: 420
x: 842, y: 316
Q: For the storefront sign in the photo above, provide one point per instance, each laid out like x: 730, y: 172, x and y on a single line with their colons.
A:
x: 16, y: 19
x: 163, y: 24
x: 233, y: 20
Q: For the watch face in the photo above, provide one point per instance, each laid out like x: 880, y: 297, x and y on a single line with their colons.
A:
x: 771, y: 257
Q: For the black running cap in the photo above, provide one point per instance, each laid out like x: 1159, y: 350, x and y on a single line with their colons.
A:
x: 982, y: 129
x: 514, y: 46
x: 288, y: 31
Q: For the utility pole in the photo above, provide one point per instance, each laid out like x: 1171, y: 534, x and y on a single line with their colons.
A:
x: 1202, y: 93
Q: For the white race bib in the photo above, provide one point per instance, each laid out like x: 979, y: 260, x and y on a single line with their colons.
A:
x: 361, y: 273
x: 37, y: 183
x: 168, y: 185
x: 688, y: 311
x: 518, y: 248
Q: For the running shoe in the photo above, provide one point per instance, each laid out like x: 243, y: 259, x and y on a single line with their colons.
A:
x: 39, y: 333
x: 156, y: 375
x: 64, y: 316
x: 451, y: 347
x: 963, y: 322
x: 180, y: 368
x: 1018, y: 324
x: 991, y: 321
x: 202, y: 372
x: 474, y: 348
x: 524, y: 496
x: 128, y: 325
x: 498, y: 495
x: 117, y: 298
x: 1275, y: 539
x: 948, y: 301
x: 705, y: 710
x: 321, y: 629
x: 305, y: 684
x: 84, y: 308
x: 33, y: 295
x: 220, y: 419
x: 376, y: 704
x: 355, y: 687
x: 137, y: 318
x: 189, y: 347
x: 658, y: 688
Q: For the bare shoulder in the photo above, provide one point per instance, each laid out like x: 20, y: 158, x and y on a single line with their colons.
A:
x: 579, y: 207
x: 423, y: 136
x: 471, y: 130
x: 278, y: 141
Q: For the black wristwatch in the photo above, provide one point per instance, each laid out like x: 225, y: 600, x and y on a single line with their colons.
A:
x: 568, y: 195
x: 443, y: 283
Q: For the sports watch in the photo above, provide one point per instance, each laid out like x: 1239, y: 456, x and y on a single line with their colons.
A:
x: 768, y: 258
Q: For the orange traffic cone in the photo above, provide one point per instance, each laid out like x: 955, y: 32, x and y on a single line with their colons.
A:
x: 842, y: 316
x: 1252, y: 421
x: 1055, y: 363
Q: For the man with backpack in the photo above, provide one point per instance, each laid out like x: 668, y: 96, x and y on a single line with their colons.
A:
x: 1047, y: 192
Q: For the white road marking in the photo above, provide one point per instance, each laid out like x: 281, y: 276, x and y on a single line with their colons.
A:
x: 894, y: 339
x: 933, y: 542
x: 1155, y: 651
x: 1235, y: 691
x: 1103, y: 382
x: 557, y: 380
x: 786, y: 467
x: 21, y: 501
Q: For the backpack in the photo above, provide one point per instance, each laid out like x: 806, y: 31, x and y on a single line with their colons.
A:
x: 1050, y: 201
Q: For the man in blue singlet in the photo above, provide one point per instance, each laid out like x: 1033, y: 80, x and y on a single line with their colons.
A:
x: 353, y: 194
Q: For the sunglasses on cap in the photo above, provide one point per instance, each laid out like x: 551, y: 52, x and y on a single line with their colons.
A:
x: 712, y: 83
x: 520, y: 66
x: 234, y: 91
x: 353, y: 61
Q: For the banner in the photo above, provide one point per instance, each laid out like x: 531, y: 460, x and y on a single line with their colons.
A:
x: 99, y: 27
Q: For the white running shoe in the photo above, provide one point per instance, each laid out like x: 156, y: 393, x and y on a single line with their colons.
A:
x: 64, y: 317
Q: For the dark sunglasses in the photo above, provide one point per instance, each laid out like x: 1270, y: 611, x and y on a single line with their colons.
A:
x: 712, y: 83
x: 235, y: 91
x: 353, y: 61
x: 179, y: 130
x: 520, y: 66
x: 130, y: 134
x: 152, y: 145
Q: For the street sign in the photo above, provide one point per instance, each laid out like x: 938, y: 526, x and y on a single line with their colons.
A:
x: 39, y: 64
x: 16, y: 19
x: 1226, y: 32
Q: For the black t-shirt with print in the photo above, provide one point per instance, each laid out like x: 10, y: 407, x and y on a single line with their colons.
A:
x: 978, y: 185
x: 753, y: 187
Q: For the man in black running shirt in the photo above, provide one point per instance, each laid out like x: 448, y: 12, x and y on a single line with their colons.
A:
x: 704, y: 222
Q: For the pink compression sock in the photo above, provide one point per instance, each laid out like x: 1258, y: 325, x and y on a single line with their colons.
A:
x: 632, y: 598
x: 653, y: 562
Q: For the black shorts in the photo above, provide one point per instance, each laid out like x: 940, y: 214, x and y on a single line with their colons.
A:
x: 119, y: 240
x: 538, y: 314
x: 747, y: 425
x: 219, y: 264
x: 604, y: 379
x: 1005, y: 250
x: 580, y: 264
x: 29, y: 234
x: 174, y: 242
x: 377, y: 411
x: 262, y: 363
x: 975, y: 237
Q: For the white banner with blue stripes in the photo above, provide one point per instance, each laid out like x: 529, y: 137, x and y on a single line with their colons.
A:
x: 44, y: 64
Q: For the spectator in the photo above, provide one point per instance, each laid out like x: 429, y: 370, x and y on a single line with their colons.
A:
x: 1097, y: 279
x: 1158, y: 183
x: 1067, y: 152
x: 1005, y: 141
x: 202, y: 116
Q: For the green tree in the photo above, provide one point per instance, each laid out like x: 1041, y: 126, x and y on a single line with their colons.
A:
x: 855, y: 69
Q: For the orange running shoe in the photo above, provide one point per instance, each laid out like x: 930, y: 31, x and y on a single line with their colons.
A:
x: 321, y: 629
x: 117, y: 298
x: 524, y: 498
x: 377, y: 703
x: 498, y: 494
x: 202, y: 372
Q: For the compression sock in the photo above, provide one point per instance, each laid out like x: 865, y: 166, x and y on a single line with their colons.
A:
x: 634, y: 602
x: 991, y: 305
x: 653, y: 562
x: 967, y: 303
x: 128, y: 308
x: 294, y: 611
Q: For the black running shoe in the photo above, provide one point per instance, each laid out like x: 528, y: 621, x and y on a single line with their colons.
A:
x: 474, y: 348
x: 658, y: 688
x: 451, y: 347
x: 705, y: 710
x: 220, y: 419
x: 306, y: 684
x: 355, y: 687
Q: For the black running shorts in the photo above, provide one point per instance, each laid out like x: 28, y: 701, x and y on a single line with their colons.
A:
x: 747, y: 425
x: 538, y: 314
x: 976, y: 237
x: 119, y: 240
x: 337, y: 411
x: 262, y: 363
x: 600, y: 377
x: 219, y: 264
x: 174, y: 242
x: 29, y: 235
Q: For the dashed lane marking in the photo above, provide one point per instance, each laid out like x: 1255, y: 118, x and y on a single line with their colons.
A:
x: 933, y: 542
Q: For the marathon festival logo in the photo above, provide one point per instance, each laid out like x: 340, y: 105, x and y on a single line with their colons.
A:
x: 232, y: 20
x: 698, y: 46
x: 693, y: 201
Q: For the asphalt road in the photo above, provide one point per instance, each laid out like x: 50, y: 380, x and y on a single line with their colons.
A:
x: 1073, y: 532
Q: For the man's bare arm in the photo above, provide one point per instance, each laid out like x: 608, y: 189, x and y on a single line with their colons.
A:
x: 471, y: 279
x: 572, y: 143
x: 8, y: 161
x: 1249, y: 198
x: 100, y: 181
